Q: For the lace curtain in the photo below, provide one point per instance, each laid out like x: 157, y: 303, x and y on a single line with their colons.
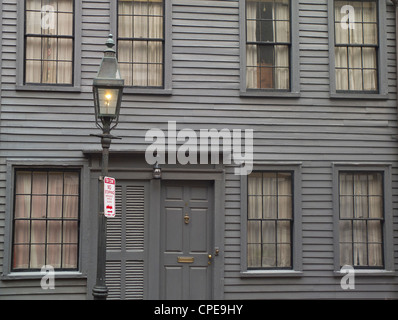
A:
x: 46, y: 220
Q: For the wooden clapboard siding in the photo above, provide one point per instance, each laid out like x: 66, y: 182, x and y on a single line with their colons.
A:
x: 312, y: 129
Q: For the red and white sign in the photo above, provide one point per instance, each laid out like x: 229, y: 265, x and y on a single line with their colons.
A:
x: 109, y: 197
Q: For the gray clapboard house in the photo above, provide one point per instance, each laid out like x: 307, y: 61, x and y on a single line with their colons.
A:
x: 315, y: 80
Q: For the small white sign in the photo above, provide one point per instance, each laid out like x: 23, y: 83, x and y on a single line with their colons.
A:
x: 109, y: 197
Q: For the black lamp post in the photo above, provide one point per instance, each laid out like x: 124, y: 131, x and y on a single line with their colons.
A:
x: 108, y: 91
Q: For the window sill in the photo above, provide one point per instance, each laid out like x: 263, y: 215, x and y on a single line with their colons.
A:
x: 365, y: 96
x: 39, y: 275
x: 49, y: 88
x: 368, y: 273
x: 270, y: 273
x: 148, y: 91
x: 269, y: 94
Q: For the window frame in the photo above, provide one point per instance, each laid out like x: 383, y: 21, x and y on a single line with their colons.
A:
x: 84, y: 222
x: 76, y: 64
x: 31, y: 219
x: 382, y: 92
x: 167, y: 51
x: 296, y: 235
x: 388, y: 259
x: 294, y: 63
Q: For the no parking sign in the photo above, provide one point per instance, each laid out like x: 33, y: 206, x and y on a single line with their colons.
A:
x: 109, y: 197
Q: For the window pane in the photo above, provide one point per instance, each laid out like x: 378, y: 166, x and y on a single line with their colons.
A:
x: 71, y: 207
x: 355, y: 80
x: 369, y: 58
x: 37, y: 256
x: 370, y: 33
x: 22, y: 232
x: 54, y: 255
x: 71, y: 183
x: 254, y: 232
x: 55, y: 183
x: 22, y: 206
x: 65, y: 24
x: 21, y: 257
x: 69, y: 258
x: 269, y: 231
x: 370, y: 80
x: 255, y: 207
x: 125, y: 51
x: 255, y: 184
x: 54, y: 209
x: 354, y: 57
x: 269, y: 256
x: 65, y: 52
x: 39, y: 207
x: 270, y: 207
x: 33, y: 5
x: 254, y: 255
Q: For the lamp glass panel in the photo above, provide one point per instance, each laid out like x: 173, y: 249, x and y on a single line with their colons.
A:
x: 108, y: 99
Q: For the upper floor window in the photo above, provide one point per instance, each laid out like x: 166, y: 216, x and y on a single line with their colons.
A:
x: 268, y: 43
x: 49, y: 42
x: 356, y: 46
x: 141, y: 42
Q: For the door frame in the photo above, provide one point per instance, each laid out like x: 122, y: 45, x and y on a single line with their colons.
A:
x: 217, y: 177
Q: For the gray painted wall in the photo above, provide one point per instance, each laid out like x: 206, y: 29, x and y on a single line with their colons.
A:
x: 313, y: 130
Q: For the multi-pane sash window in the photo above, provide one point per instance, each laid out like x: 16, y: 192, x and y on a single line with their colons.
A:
x: 361, y: 219
x: 268, y: 44
x: 141, y: 42
x: 49, y: 42
x: 356, y: 45
x: 270, y: 220
x: 46, y: 220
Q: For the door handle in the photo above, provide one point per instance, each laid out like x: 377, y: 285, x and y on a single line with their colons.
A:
x: 210, y: 257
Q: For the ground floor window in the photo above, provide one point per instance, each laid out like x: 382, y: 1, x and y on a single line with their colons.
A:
x: 270, y: 220
x: 46, y: 219
x: 361, y: 219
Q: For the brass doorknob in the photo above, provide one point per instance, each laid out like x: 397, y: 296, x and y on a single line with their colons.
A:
x: 210, y: 257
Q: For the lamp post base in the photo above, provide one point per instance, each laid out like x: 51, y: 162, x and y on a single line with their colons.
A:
x: 100, y: 293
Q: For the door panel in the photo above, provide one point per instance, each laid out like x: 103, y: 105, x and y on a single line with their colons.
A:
x: 186, y: 242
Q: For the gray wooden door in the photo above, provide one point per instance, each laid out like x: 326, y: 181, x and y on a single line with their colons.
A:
x: 186, y: 241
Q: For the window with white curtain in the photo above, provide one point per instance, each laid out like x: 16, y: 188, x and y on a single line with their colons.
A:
x: 46, y: 220
x: 270, y: 220
x: 361, y: 219
x: 356, y: 45
x: 49, y: 42
x: 141, y: 42
x: 268, y: 43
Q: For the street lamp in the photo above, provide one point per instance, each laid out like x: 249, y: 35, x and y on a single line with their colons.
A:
x: 108, y: 91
